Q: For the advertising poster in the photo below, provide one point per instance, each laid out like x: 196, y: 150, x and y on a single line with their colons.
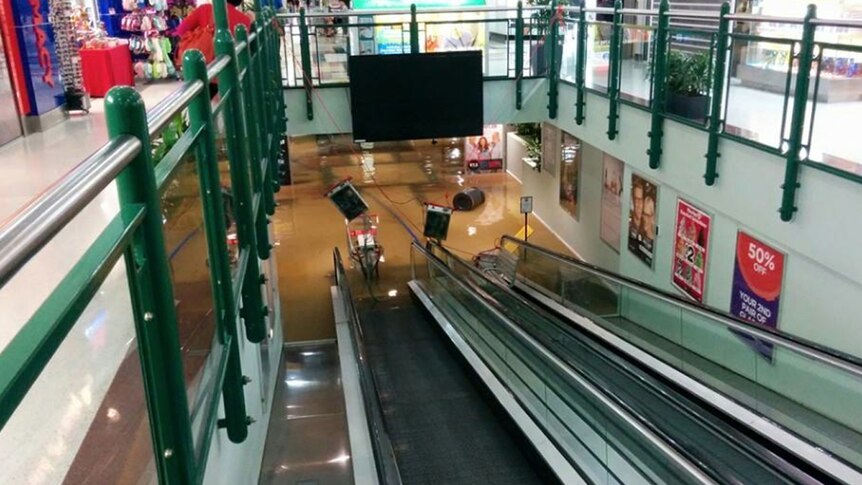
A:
x: 612, y: 191
x: 570, y: 167
x: 441, y: 37
x: 485, y: 153
x: 550, y: 147
x: 642, y: 219
x: 691, y: 248
x: 758, y: 272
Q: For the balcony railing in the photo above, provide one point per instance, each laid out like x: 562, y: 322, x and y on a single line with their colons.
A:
x: 187, y: 287
x: 789, y: 86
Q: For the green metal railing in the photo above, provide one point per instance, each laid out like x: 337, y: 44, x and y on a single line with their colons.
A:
x: 597, y: 57
x: 251, y: 106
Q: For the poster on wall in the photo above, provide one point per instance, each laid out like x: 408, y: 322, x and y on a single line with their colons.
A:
x: 612, y: 190
x: 550, y: 148
x: 485, y: 153
x: 459, y: 36
x: 642, y: 219
x: 758, y: 272
x: 691, y: 249
x: 570, y: 168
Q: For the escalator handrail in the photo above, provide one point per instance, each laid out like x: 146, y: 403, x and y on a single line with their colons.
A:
x: 814, y: 455
x: 601, y: 395
x: 384, y: 455
x: 821, y: 353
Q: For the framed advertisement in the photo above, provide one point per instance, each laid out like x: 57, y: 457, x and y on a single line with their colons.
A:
x: 485, y: 153
x: 691, y: 250
x: 643, y: 219
x: 758, y: 274
x: 550, y: 148
x: 612, y: 191
x: 570, y: 168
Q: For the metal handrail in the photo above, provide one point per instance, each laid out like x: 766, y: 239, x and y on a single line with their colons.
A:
x: 32, y: 228
x: 698, y: 14
x: 162, y: 114
x: 813, y: 350
x: 387, y: 466
x: 492, y: 305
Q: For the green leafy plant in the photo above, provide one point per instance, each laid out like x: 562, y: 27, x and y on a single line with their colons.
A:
x: 688, y: 74
x: 531, y: 133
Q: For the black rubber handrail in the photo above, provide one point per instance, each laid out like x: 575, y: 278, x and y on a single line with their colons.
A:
x: 813, y: 350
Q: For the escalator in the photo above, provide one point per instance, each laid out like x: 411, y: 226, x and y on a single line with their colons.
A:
x: 610, y: 417
x: 433, y: 422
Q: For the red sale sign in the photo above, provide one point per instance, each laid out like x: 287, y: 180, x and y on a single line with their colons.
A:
x: 757, y: 277
x: 691, y: 249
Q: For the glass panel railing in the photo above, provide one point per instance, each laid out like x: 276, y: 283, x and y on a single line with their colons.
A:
x: 603, y: 444
x: 802, y: 387
x: 759, y: 90
x: 569, y: 60
x: 186, y: 247
x: 836, y: 101
x: 84, y: 420
x: 598, y: 60
x: 635, y: 75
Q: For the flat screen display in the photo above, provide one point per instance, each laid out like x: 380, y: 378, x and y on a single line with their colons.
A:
x: 416, y: 96
x: 347, y: 199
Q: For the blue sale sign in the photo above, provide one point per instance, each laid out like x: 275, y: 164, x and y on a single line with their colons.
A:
x: 757, y: 276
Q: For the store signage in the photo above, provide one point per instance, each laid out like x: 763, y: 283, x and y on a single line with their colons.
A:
x: 691, y: 250
x: 404, y: 4
x: 758, y: 272
x: 42, y: 52
x: 526, y: 204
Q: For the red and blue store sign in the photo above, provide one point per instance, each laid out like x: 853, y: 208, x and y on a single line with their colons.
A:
x: 33, y: 63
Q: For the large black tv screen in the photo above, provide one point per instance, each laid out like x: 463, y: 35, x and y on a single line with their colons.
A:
x: 416, y: 96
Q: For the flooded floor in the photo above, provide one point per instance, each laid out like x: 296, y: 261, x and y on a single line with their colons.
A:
x: 395, y: 179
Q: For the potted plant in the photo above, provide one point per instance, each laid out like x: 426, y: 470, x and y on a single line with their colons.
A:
x: 688, y: 84
x: 531, y: 133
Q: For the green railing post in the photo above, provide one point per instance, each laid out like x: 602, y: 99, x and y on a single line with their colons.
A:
x: 305, y: 53
x: 267, y: 202
x: 614, y: 73
x: 581, y: 66
x: 414, y: 30
x: 255, y: 130
x: 519, y: 55
x: 200, y: 118
x: 152, y: 297
x: 553, y: 65
x: 797, y: 122
x: 659, y: 89
x: 715, y: 114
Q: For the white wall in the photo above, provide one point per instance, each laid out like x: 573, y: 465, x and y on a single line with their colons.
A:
x: 581, y: 234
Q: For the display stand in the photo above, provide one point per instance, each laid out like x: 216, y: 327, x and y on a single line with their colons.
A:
x: 60, y: 15
x: 106, y: 68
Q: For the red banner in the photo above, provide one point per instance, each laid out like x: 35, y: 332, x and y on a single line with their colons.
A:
x: 691, y: 250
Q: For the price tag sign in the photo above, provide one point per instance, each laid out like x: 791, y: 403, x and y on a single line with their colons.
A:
x: 527, y: 204
x: 757, y: 277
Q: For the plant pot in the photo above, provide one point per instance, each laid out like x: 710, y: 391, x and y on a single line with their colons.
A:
x: 691, y: 107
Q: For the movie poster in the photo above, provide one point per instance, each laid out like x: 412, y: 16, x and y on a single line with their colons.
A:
x: 691, y: 249
x: 485, y: 153
x: 643, y: 219
x: 570, y: 168
x: 550, y: 148
x: 612, y: 191
x: 758, y: 272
